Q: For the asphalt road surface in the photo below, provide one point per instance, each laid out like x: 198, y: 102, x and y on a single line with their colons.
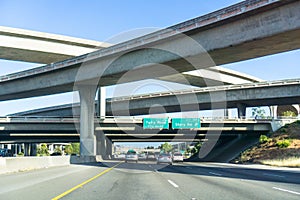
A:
x: 147, y: 180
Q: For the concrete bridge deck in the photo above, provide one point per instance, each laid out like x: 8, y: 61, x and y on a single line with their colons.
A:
x: 37, y: 129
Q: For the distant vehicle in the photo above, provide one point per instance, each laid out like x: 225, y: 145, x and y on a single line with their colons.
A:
x: 151, y: 156
x: 121, y: 156
x: 164, y: 158
x: 5, y: 153
x: 131, y: 155
x: 177, y: 157
x: 142, y: 156
x: 156, y: 155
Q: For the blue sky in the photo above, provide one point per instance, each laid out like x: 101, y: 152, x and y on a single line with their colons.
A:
x: 102, y: 20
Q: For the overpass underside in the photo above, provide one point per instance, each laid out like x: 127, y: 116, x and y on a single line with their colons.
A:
x: 126, y: 131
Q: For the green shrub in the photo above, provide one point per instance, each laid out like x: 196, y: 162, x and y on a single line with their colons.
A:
x: 42, y: 150
x: 69, y: 149
x: 289, y: 113
x: 264, y: 139
x: 283, y: 143
x: 20, y: 153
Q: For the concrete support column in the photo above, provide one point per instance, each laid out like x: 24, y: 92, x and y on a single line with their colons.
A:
x: 101, y: 145
x: 26, y: 149
x: 109, y: 147
x: 13, y: 149
x: 227, y: 113
x: 19, y: 148
x: 16, y: 149
x: 273, y: 112
x: 33, y: 148
x: 87, y: 114
x: 241, y: 110
x: 101, y: 102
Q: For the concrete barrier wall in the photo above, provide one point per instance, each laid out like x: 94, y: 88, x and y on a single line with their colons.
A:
x: 16, y: 164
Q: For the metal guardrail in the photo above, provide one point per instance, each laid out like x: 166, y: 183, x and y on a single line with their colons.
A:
x: 38, y: 119
x: 222, y: 14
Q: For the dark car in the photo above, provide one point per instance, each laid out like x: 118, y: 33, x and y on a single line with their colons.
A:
x: 151, y: 156
x: 5, y: 153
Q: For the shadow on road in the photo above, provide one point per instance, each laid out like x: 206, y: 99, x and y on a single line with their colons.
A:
x: 210, y: 170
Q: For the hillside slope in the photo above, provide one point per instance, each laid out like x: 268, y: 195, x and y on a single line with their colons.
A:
x: 281, y: 148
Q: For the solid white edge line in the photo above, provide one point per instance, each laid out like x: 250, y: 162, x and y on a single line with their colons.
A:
x: 284, y: 190
x: 215, y: 174
x: 172, y: 183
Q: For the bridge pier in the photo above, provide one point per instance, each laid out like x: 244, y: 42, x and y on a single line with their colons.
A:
x: 241, y: 110
x: 33, y: 148
x: 87, y: 111
x: 109, y: 148
x: 26, y: 149
x: 101, y: 102
x: 104, y: 146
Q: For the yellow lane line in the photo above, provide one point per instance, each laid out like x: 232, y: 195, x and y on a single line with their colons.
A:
x: 83, y: 183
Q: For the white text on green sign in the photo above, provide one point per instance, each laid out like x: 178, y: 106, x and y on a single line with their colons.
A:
x: 185, y: 123
x: 156, y: 123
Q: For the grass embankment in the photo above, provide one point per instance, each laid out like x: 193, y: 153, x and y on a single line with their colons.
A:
x: 281, y: 148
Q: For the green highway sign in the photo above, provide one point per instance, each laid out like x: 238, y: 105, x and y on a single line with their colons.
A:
x: 156, y: 123
x: 185, y: 123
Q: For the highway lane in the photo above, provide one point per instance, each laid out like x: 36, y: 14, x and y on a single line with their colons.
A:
x: 147, y: 180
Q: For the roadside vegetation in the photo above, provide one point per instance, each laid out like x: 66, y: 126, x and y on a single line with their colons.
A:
x: 281, y: 148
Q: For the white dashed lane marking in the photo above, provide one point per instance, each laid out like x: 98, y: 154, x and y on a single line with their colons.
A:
x: 173, y: 184
x: 284, y: 190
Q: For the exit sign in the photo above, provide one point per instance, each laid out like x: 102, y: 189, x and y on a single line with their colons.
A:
x: 185, y: 123
x: 156, y: 123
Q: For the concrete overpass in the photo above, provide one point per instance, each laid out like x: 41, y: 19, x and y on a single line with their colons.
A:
x: 46, y: 129
x: 31, y: 130
x: 284, y: 92
x: 38, y: 47
x: 250, y: 19
x: 253, y: 20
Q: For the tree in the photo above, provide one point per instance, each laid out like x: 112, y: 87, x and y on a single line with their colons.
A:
x: 166, y: 147
x: 289, y: 113
x: 57, y: 151
x: 42, y: 150
x: 196, y: 148
x: 258, y: 112
x: 69, y: 149
x: 76, y: 148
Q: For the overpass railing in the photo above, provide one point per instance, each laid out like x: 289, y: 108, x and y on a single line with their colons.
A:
x: 133, y: 119
x: 208, y: 19
x: 210, y: 89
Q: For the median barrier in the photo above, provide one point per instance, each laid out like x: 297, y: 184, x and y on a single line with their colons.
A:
x: 18, y: 164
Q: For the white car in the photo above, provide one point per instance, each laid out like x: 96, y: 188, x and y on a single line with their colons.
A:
x: 164, y: 158
x: 131, y: 155
x: 177, y: 157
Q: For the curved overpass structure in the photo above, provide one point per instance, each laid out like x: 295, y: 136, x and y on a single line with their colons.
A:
x: 39, y: 47
x: 247, y: 26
